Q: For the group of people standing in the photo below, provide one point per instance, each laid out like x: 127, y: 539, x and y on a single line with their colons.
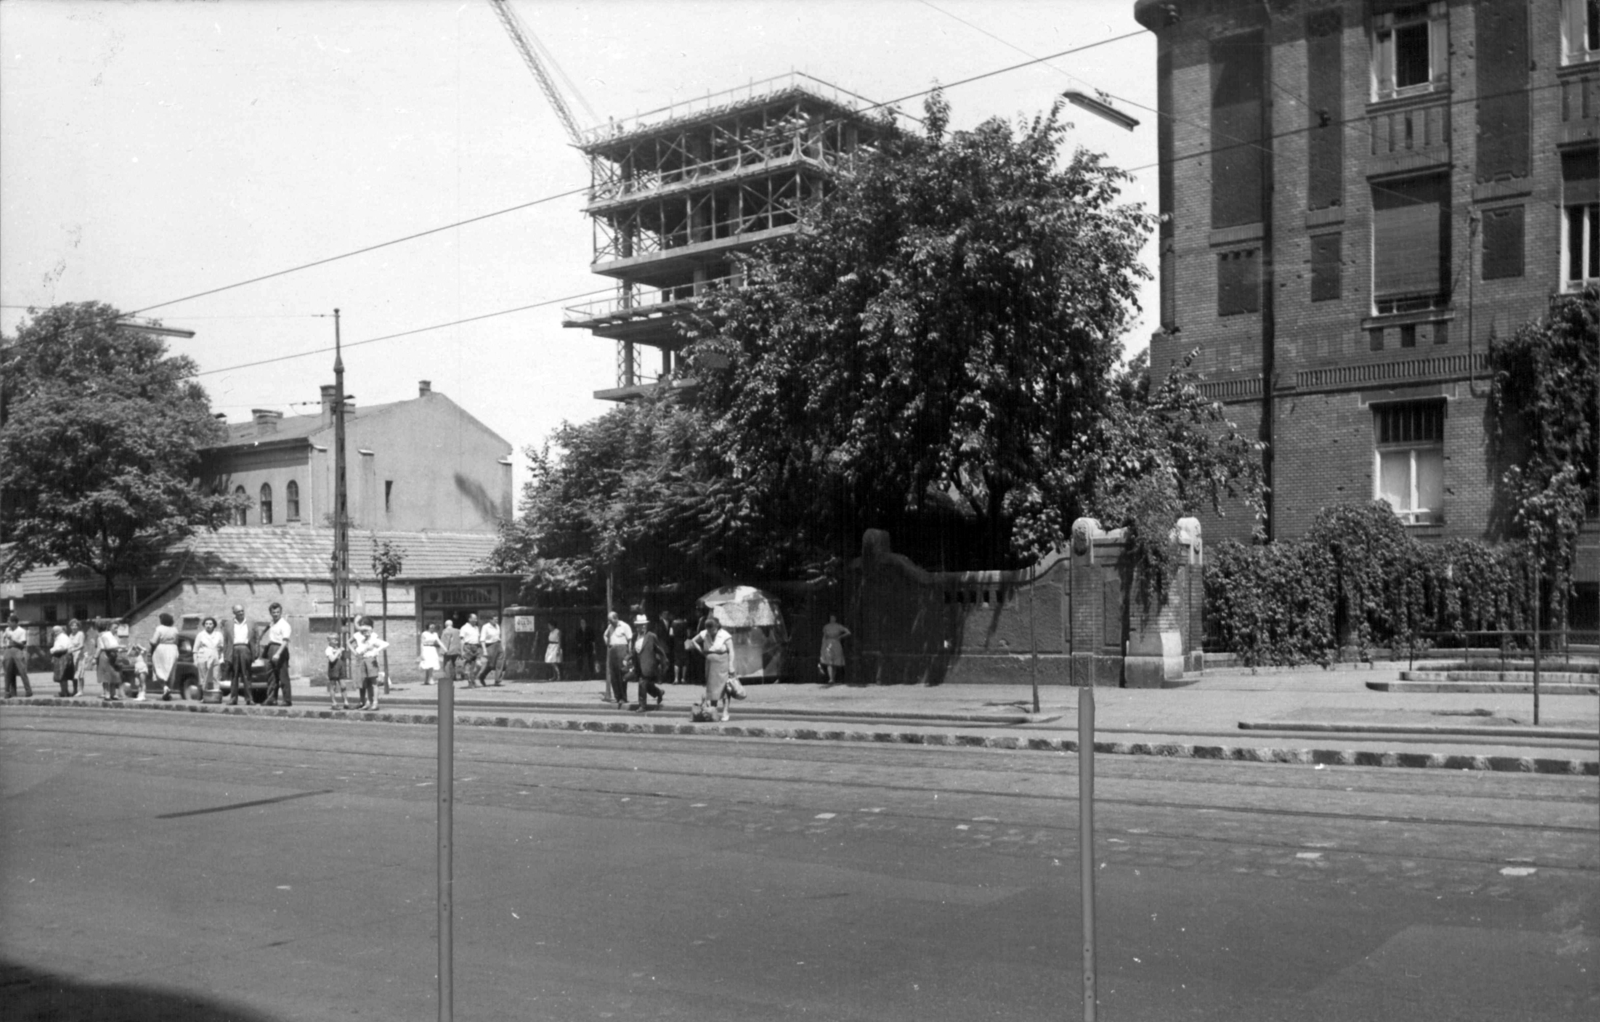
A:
x: 647, y: 654
x: 474, y: 651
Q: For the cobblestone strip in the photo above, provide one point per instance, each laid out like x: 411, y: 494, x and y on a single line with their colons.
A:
x: 1175, y: 750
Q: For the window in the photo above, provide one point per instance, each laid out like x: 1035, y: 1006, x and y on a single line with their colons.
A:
x: 1411, y: 50
x: 388, y: 494
x: 241, y: 511
x: 1580, y: 30
x: 49, y: 614
x: 1325, y: 266
x: 1580, y: 202
x: 266, y: 504
x: 80, y: 611
x: 1502, y: 242
x: 291, y: 501
x: 1409, y: 459
x: 1238, y: 282
x: 1411, y: 244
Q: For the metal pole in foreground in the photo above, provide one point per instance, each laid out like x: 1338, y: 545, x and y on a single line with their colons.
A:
x: 1086, y: 839
x: 447, y: 742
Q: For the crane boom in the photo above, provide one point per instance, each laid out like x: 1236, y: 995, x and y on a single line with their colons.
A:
x: 520, y: 36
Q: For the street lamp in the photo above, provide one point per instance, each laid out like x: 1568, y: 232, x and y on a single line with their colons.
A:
x: 149, y: 327
x: 1100, y: 108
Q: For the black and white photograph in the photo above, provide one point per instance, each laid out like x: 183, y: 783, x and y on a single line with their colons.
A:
x: 751, y: 510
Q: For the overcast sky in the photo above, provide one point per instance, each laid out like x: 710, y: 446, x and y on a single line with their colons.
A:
x: 153, y: 149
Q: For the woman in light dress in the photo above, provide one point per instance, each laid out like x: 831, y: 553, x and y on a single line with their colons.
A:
x: 208, y: 654
x: 164, y: 654
x: 832, y: 656
x: 552, y: 651
x: 716, y: 644
x: 61, y: 660
x: 81, y: 660
x: 432, y: 647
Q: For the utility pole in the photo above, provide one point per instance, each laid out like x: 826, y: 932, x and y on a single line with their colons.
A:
x: 341, y: 504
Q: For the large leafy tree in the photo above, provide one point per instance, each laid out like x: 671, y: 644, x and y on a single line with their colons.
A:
x: 617, y: 501
x: 943, y: 327
x: 99, y: 445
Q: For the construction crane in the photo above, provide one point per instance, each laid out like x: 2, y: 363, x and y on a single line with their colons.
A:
x: 528, y: 45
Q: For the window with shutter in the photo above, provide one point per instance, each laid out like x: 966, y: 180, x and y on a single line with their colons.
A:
x: 241, y: 507
x: 1411, y: 50
x: 1411, y: 243
x: 1580, y: 202
x: 1238, y: 282
x: 1408, y: 459
x: 1502, y: 242
x: 1325, y: 266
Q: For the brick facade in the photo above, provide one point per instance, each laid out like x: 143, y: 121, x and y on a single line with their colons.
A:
x: 1342, y: 172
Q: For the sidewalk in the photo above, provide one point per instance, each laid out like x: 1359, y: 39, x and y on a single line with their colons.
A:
x: 1302, y: 715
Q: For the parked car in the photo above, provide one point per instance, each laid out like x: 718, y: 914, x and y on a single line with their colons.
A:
x: 186, y: 676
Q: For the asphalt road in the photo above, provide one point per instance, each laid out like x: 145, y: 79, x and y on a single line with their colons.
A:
x: 177, y: 867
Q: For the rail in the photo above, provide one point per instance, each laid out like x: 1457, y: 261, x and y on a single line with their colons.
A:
x: 748, y: 92
x: 1532, y: 641
x: 647, y: 300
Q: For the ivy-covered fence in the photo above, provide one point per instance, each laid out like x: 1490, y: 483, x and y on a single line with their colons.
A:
x: 1358, y: 580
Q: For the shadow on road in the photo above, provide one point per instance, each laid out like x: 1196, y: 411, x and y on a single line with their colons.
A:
x: 31, y: 995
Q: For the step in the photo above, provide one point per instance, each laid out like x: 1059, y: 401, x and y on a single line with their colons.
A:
x: 1486, y: 687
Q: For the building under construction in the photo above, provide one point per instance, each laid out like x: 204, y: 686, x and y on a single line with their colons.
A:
x: 677, y: 193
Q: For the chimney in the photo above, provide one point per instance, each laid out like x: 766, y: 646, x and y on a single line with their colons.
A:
x: 424, y: 388
x: 327, y: 402
x: 266, y: 420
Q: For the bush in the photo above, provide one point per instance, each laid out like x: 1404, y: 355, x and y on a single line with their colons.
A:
x: 1359, y: 579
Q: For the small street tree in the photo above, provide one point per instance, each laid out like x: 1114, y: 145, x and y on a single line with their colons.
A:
x: 388, y: 560
x: 99, y: 446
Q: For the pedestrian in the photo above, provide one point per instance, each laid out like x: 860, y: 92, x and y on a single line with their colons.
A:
x: 431, y: 644
x: 583, y: 648
x: 832, y: 655
x: 649, y: 660
x: 80, y: 658
x: 368, y: 648
x: 207, y: 654
x: 471, y: 649
x: 552, y: 651
x: 61, y: 660
x: 108, y: 662
x: 140, y: 664
x: 337, y: 672
x: 450, y: 649
x: 241, y: 655
x: 15, y: 657
x: 164, y: 653
x: 677, y: 640
x: 663, y: 633
x: 276, y: 654
x: 618, y: 638
x: 489, y: 639
x: 716, y: 643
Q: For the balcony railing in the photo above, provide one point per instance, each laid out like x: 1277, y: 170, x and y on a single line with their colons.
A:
x: 729, y: 97
x: 640, y: 302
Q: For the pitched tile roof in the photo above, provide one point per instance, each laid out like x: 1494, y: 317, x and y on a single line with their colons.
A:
x: 257, y: 551
x: 293, y: 427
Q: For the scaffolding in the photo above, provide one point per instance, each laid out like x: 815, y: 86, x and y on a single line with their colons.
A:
x: 677, y: 194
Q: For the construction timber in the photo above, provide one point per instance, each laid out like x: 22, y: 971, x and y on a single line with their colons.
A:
x: 678, y: 193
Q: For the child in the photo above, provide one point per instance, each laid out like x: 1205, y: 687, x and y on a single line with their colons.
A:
x: 141, y: 672
x: 367, y: 648
x: 336, y: 673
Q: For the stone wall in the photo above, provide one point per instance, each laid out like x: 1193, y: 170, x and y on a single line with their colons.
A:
x: 1072, y: 618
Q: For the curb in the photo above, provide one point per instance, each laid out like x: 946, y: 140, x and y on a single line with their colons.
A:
x: 534, y: 706
x: 1425, y: 730
x: 1549, y: 688
x: 1170, y: 750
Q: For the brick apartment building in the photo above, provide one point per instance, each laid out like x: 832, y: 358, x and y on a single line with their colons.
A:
x: 1356, y: 195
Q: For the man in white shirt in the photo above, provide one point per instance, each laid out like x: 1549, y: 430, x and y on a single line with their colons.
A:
x: 276, y: 655
x: 619, y: 643
x: 14, y: 654
x: 492, y: 663
x: 471, y: 649
x: 240, y: 655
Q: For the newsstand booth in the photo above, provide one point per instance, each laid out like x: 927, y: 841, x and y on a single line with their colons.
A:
x: 756, y: 623
x: 487, y: 596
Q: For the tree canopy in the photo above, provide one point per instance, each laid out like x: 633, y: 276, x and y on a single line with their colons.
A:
x: 99, y: 445
x: 938, y: 343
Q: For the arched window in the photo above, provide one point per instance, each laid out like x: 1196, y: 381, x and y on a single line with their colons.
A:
x: 241, y: 512
x: 291, y: 502
x: 266, y: 504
